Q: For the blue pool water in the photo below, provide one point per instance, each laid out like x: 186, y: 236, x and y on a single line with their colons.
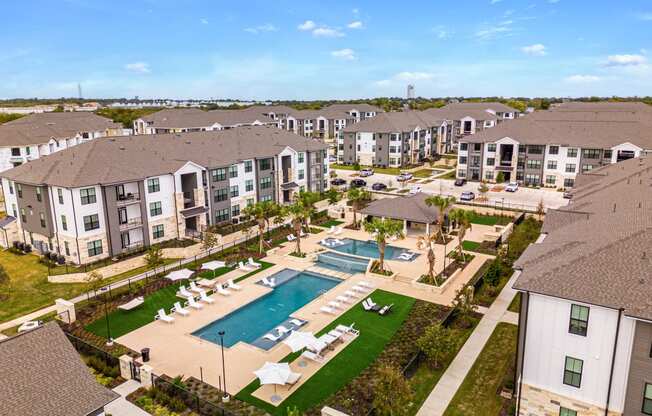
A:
x: 342, y: 263
x: 250, y: 322
x: 367, y: 249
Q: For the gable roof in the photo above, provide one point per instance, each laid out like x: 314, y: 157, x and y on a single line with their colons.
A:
x: 131, y: 158
x: 598, y: 250
x: 395, y: 122
x: 354, y: 106
x: 458, y: 113
x: 482, y: 105
x: 42, y: 375
x: 39, y: 128
x: 172, y: 118
x: 410, y: 208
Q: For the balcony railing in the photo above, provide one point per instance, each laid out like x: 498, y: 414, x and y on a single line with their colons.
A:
x: 288, y: 176
x: 128, y: 198
x: 134, y: 245
x: 188, y: 199
x: 131, y: 223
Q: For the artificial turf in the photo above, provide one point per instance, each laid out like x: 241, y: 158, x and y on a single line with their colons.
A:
x: 469, y: 245
x: 375, y: 332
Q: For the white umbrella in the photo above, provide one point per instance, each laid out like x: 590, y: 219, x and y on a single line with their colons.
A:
x: 299, y: 340
x: 179, y: 274
x: 274, y: 373
x: 213, y: 265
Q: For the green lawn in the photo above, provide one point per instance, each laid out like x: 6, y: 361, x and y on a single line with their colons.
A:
x: 331, y: 223
x: 490, y: 219
x: 447, y: 175
x: 263, y: 265
x: 422, y: 173
x: 470, y: 245
x: 387, y: 171
x: 478, y: 394
x: 515, y: 306
x: 375, y: 332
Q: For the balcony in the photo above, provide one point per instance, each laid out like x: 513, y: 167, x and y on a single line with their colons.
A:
x: 133, y: 246
x: 188, y: 199
x: 131, y: 223
x: 128, y: 198
x: 288, y: 176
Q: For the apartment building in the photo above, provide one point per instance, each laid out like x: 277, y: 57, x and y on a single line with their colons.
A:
x: 111, y: 196
x: 585, y: 330
x: 392, y: 139
x: 328, y: 122
x: 40, y: 134
x: 550, y: 148
x: 183, y: 120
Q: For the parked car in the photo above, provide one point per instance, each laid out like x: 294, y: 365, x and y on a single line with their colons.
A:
x: 379, y: 186
x: 366, y: 172
x: 467, y: 196
x: 405, y: 176
x: 358, y: 183
x: 332, y: 159
x: 511, y: 187
x: 567, y: 195
x: 338, y: 182
x: 415, y: 190
x: 460, y: 182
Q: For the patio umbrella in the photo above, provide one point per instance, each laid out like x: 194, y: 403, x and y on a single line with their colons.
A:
x: 213, y: 265
x: 274, y: 373
x: 299, y: 340
x: 179, y: 275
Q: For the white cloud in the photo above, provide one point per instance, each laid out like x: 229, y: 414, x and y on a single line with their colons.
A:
x: 626, y: 60
x: 355, y: 11
x: 327, y: 32
x: 307, y: 25
x: 441, y: 32
x: 138, y: 67
x: 346, y: 54
x: 204, y: 21
x: 646, y: 16
x: 495, y: 1
x: 534, y: 50
x: 492, y: 32
x: 582, y: 79
x: 267, y: 27
x: 355, y: 25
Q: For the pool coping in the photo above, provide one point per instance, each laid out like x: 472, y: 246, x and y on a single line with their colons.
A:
x: 416, y: 254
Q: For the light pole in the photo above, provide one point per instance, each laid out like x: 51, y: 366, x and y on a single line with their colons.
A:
x: 109, y: 342
x: 225, y: 398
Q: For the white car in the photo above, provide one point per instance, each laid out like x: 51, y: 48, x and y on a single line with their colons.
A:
x: 366, y: 172
x: 511, y: 187
x: 405, y: 176
x: 415, y: 190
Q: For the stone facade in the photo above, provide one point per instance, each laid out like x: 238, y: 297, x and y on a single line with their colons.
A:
x: 539, y: 402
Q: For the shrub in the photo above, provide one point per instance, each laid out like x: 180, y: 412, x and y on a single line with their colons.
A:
x: 177, y: 405
x: 436, y: 343
x: 492, y: 277
x: 392, y: 393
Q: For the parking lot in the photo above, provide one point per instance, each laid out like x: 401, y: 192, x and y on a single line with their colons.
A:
x: 523, y: 198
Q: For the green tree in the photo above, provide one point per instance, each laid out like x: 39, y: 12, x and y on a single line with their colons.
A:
x: 541, y: 210
x: 464, y: 305
x: 209, y: 241
x: 298, y: 213
x: 437, y: 343
x: 500, y: 177
x: 356, y: 166
x: 93, y: 281
x: 358, y: 197
x: 443, y: 204
x: 333, y: 195
x: 262, y: 212
x: 381, y: 230
x: 492, y: 276
x: 483, y: 189
x: 463, y: 219
x: 293, y: 411
x: 392, y: 393
x: 154, y: 256
x: 429, y: 240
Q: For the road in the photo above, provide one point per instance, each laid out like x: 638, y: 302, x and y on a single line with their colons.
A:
x: 523, y: 198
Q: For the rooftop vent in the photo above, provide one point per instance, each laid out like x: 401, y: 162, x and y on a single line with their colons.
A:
x: 122, y: 148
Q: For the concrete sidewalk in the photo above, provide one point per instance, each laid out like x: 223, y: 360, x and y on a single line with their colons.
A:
x: 451, y: 380
x: 120, y: 406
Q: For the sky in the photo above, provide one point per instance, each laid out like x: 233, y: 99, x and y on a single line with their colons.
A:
x: 305, y: 49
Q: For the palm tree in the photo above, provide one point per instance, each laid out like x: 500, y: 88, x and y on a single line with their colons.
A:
x: 357, y: 197
x: 428, y: 240
x: 261, y: 212
x: 443, y: 204
x: 382, y: 229
x: 308, y: 200
x: 298, y: 212
x: 463, y: 218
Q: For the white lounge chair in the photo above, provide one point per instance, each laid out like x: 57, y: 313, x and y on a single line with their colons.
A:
x: 269, y: 282
x: 369, y: 305
x: 312, y: 356
x: 292, y: 380
x: 327, y: 339
x: 348, y: 329
x: 328, y: 310
x: 252, y: 263
x: 194, y: 288
x: 325, y: 243
x: 366, y: 284
x: 359, y: 289
x: 406, y: 256
x: 232, y: 285
x: 183, y: 292
x: 303, y: 234
x: 335, y: 333
x: 177, y: 308
x: 162, y: 316
x: 335, y: 304
x: 219, y: 289
x: 204, y: 298
x: 297, y: 322
x: 271, y: 337
x: 193, y: 303
x: 338, y: 231
x: 244, y: 267
x: 331, y: 230
x: 351, y: 294
x: 282, y: 330
x: 132, y: 304
x: 291, y: 237
x: 343, y: 299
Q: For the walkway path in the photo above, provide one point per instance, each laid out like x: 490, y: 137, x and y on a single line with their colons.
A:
x: 451, y: 380
x: 122, y: 407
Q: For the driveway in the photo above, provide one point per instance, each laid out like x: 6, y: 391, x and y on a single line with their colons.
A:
x: 524, y: 197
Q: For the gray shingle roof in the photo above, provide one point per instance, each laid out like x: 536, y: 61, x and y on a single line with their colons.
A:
x: 395, y: 122
x: 469, y: 105
x: 411, y: 208
x: 196, y: 118
x: 41, y: 127
x: 130, y: 158
x: 598, y: 250
x: 42, y: 375
x: 354, y: 106
x: 458, y: 113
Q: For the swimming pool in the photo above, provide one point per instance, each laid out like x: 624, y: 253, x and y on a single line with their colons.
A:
x: 341, y: 262
x: 251, y: 322
x: 367, y: 249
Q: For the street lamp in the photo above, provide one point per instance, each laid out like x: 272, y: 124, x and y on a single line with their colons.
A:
x: 109, y: 342
x: 225, y: 398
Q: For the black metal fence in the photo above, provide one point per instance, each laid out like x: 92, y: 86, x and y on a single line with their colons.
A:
x: 86, y: 349
x: 195, y: 403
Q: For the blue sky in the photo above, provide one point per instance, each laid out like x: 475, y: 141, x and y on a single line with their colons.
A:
x: 325, y: 49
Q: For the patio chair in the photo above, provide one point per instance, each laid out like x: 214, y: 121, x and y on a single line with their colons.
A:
x: 326, y: 243
x: 348, y: 329
x: 335, y: 333
x: 204, y: 298
x: 407, y: 256
x: 162, y: 316
x: 193, y: 303
x: 369, y: 305
x: 359, y: 289
x: 303, y: 234
x: 291, y: 237
x: 328, y: 310
x: 243, y: 267
x: 194, y: 287
x: 386, y: 309
x: 177, y: 308
x: 338, y: 231
x: 222, y: 291
x: 334, y: 304
x: 327, y: 339
x: 331, y: 230
x: 343, y: 299
x: 282, y: 330
x: 297, y: 322
x: 252, y: 263
x: 271, y: 337
x: 312, y: 356
x: 269, y: 282
x: 351, y: 294
x: 293, y: 379
x: 183, y: 292
x: 366, y: 284
x: 230, y: 284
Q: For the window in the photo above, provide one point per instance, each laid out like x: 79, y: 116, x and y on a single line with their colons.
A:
x: 155, y: 209
x: 222, y: 215
x: 535, y: 150
x: 42, y: 218
x: 533, y: 164
x: 87, y: 196
x: 218, y: 174
x: 66, y: 248
x: 491, y: 147
x: 153, y: 185
x: 532, y: 179
x: 477, y: 147
x: 249, y: 185
x: 606, y: 154
x: 301, y: 157
x: 464, y: 146
x: 569, y: 183
x: 220, y: 195
x: 250, y: 201
x: 19, y: 190
x: 94, y: 248
x: 647, y: 399
x: 265, y: 198
x: 14, y: 210
x: 462, y: 160
x: 235, y: 191
x: 158, y: 231
x: 266, y: 164
x: 491, y: 161
x: 233, y: 171
x: 60, y: 195
x: 23, y: 217
x: 64, y: 223
x: 301, y: 174
x: 39, y: 194
x: 11, y: 187
x: 461, y: 173
x: 551, y: 180
x: 266, y: 183
x: 567, y: 412
x: 570, y: 167
x: 249, y: 166
x: 591, y: 153
x: 573, y: 372
x: 579, y: 320
x: 552, y: 164
x: 15, y: 151
x: 521, y: 149
x: 587, y: 168
x: 571, y: 152
x: 91, y: 222
x: 27, y: 150
x: 553, y: 150
x: 489, y: 175
x: 235, y: 210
